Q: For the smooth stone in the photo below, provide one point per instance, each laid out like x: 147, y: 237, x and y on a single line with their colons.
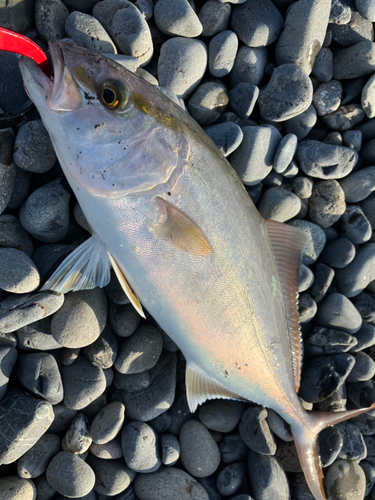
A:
x: 107, y: 423
x: 286, y: 455
x: 20, y: 191
x: 359, y: 185
x: 327, y: 341
x: 133, y: 382
x: 323, y: 279
x: 35, y: 461
x: 13, y: 235
x: 214, y: 18
x: 366, y: 8
x: 207, y: 102
x: 63, y: 417
x: 334, y: 138
x: 227, y: 136
x: 242, y: 98
x: 365, y: 303
x: 83, y: 383
x: 368, y: 97
x: 170, y: 449
x: 255, y: 431
x: 323, y: 375
x: 303, y: 186
x: 108, y: 451
x: 39, y: 374
x: 68, y: 356
x: 128, y: 62
x: 8, y: 340
x: 323, y: 65
x: 222, y: 51
x: 339, y: 253
x: 355, y: 225
x: 45, y: 213
x: 278, y: 426
x: 355, y: 61
x: 330, y: 442
x: 345, y: 480
x: 340, y: 13
x: 337, y: 312
x: 18, y: 17
x: 344, y: 118
x: 8, y: 169
x: 103, y: 352
x: 253, y: 159
x: 327, y: 203
x: 33, y: 150
x: 355, y: 277
x: 69, y: 475
x: 200, y: 455
x: 77, y: 439
x: 257, y: 24
x: 48, y: 257
x: 255, y: 192
x: 89, y: 33
x: 267, y: 478
x: 111, y: 476
x: 16, y: 488
x: 169, y: 483
x: 306, y: 308
x: 284, y: 153
x: 279, y: 204
x: 23, y: 420
x: 249, y: 65
x: 304, y: 32
x: 327, y: 98
x: 301, y: 124
x: 369, y: 471
x: 356, y: 30
x: 18, y: 273
x: 115, y: 292
x: 181, y: 65
x: 230, y: 479
x: 140, y: 447
x: 305, y: 278
x: 233, y: 449
x: 124, y: 319
x: 352, y: 139
x: 368, y: 152
x: 161, y: 423
x: 50, y: 17
x: 177, y: 18
x: 365, y: 337
x: 317, y: 240
x: 81, y: 319
x: 8, y: 358
x: 325, y: 161
x: 363, y: 370
x: 221, y: 415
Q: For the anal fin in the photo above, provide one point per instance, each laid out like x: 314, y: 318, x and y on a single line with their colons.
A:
x: 200, y: 387
x: 126, y: 287
x: 86, y: 267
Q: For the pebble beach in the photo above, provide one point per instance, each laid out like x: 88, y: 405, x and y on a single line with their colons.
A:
x: 92, y: 396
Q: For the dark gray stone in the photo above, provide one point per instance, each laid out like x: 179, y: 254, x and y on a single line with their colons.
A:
x: 353, y: 139
x: 170, y: 449
x: 221, y: 415
x: 115, y: 292
x: 356, y: 30
x: 339, y: 253
x: 227, y: 136
x: 255, y: 432
x: 267, y: 478
x: 232, y: 449
x: 12, y: 235
x: 111, y: 476
x: 124, y: 319
x: 279, y: 204
x: 8, y: 358
x: 336, y: 311
x: 365, y: 337
x: 355, y: 61
x: 50, y: 17
x: 249, y: 65
x: 214, y: 18
x: 330, y: 442
x: 364, y: 368
x: 323, y: 65
x: 77, y: 439
x: 303, y: 186
x: 21, y: 188
x: 355, y: 277
x: 18, y: 16
x: 305, y: 278
x: 140, y: 447
x: 355, y: 225
x: 327, y: 98
x: 103, y: 352
x: 359, y: 185
x: 328, y: 341
x: 222, y: 52
x: 89, y: 33
x: 301, y: 124
x: 107, y: 423
x: 63, y: 417
x: 208, y: 102
x: 284, y: 153
x: 323, y: 279
x: 344, y: 118
x: 48, y: 257
x: 242, y: 98
x: 230, y: 479
x: 353, y: 447
x: 35, y: 461
x: 69, y: 475
x: 306, y: 308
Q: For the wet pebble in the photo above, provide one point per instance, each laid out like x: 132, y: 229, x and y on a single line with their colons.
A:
x: 222, y: 52
x: 89, y: 33
x: 140, y: 447
x: 69, y: 475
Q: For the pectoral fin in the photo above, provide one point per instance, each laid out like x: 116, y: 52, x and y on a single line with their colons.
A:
x: 86, y: 267
x: 126, y: 287
x: 178, y: 229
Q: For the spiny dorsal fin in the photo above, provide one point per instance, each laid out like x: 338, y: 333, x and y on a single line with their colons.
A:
x: 176, y: 228
x: 126, y: 287
x: 287, y: 244
x: 200, y: 387
x: 86, y: 267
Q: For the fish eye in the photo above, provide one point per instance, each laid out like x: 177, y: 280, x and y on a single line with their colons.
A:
x: 113, y: 95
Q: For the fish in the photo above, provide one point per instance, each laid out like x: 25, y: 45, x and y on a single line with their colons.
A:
x: 170, y: 216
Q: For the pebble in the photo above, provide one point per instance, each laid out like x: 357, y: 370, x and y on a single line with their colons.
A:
x: 368, y: 152
x: 177, y: 18
x: 115, y: 292
x: 87, y: 32
x: 334, y: 138
x: 355, y: 61
x: 221, y: 415
x: 327, y: 98
x: 103, y: 352
x: 222, y: 51
x: 230, y: 479
x: 81, y: 319
x: 317, y: 240
x: 207, y: 102
x: 365, y: 303
x: 339, y: 253
x: 368, y: 97
x: 336, y: 311
x: 20, y: 191
x: 356, y: 30
x: 170, y: 449
x: 330, y: 442
x: 267, y: 479
x: 169, y: 483
x: 107, y: 423
x: 161, y: 423
x: 252, y: 160
x: 227, y: 136
x: 369, y: 471
x: 302, y: 124
x: 323, y: 279
x: 364, y: 368
x: 323, y: 65
x: 8, y: 340
x: 123, y: 319
x: 302, y: 186
x: 355, y: 277
x: 340, y: 13
x: 359, y: 185
x: 140, y: 447
x: 323, y: 341
x: 68, y: 356
x: 200, y: 455
x: 345, y: 480
x: 344, y: 118
x: 249, y: 65
x: 353, y: 139
x: 233, y: 449
x: 133, y: 382
x: 257, y: 24
x: 48, y: 257
x: 278, y: 426
x: 242, y: 99
x: 288, y: 93
x: 285, y: 153
x: 365, y: 337
x: 181, y: 65
x: 366, y: 8
x: 8, y: 169
x: 355, y: 225
x: 108, y: 451
x: 361, y: 393
x: 111, y: 476
x: 8, y: 358
x: 18, y: 18
x: 306, y: 308
x: 255, y: 431
x: 23, y: 420
x: 305, y: 278
x: 323, y: 375
x: 39, y: 374
x: 77, y: 439
x: 279, y: 204
x: 45, y: 213
x: 35, y: 461
x: 50, y: 17
x: 69, y: 475
x: 325, y: 161
x: 303, y: 35
x: 63, y: 417
x: 214, y: 18
x: 16, y: 488
x: 18, y: 273
x: 327, y: 203
x: 127, y: 28
x: 82, y: 382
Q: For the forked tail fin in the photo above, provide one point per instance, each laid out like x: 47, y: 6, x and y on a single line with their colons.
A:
x: 305, y: 440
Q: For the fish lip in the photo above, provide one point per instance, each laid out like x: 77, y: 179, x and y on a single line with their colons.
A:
x: 31, y: 71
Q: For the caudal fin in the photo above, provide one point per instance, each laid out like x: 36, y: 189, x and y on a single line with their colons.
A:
x: 305, y: 440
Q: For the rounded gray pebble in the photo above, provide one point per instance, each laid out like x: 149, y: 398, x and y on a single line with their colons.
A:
x: 48, y: 257
x: 123, y: 319
x: 355, y: 225
x: 345, y: 480
x: 364, y: 368
x: 306, y: 308
x: 227, y: 136
x: 214, y: 17
x: 285, y: 152
x: 327, y: 98
x: 355, y: 277
x: 255, y: 431
x: 305, y: 278
x: 181, y: 65
x: 279, y: 204
x: 21, y: 187
x: 267, y: 478
x: 18, y: 273
x: 355, y: 61
x: 317, y: 240
x: 8, y: 358
x: 208, y: 102
x: 140, y: 447
x: 249, y: 65
x: 368, y: 97
x: 352, y: 139
x: 77, y: 439
x: 344, y: 118
x: 323, y: 66
x: 200, y: 455
x: 111, y: 476
x: 50, y: 17
x: 221, y: 415
x: 103, y: 352
x: 230, y: 479
x: 242, y: 98
x: 35, y: 461
x: 83, y: 383
x: 89, y: 33
x: 301, y: 124
x: 107, y: 423
x: 69, y: 475
x: 16, y: 488
x: 177, y: 18
x: 232, y: 448
x: 81, y: 319
x: 323, y: 279
x: 108, y: 451
x: 115, y: 292
x: 339, y: 253
x: 222, y: 52
x: 303, y: 186
x: 359, y: 185
x: 8, y: 170
x: 327, y: 203
x: 170, y: 449
x: 337, y: 312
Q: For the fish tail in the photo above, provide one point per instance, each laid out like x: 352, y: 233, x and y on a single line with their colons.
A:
x: 305, y: 437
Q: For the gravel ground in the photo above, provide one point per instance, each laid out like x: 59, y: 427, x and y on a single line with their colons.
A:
x: 287, y: 92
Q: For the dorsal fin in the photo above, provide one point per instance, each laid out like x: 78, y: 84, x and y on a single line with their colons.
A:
x: 200, y: 387
x: 126, y: 287
x: 179, y: 230
x: 287, y: 244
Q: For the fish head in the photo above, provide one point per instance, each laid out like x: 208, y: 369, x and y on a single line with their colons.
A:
x: 113, y: 132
